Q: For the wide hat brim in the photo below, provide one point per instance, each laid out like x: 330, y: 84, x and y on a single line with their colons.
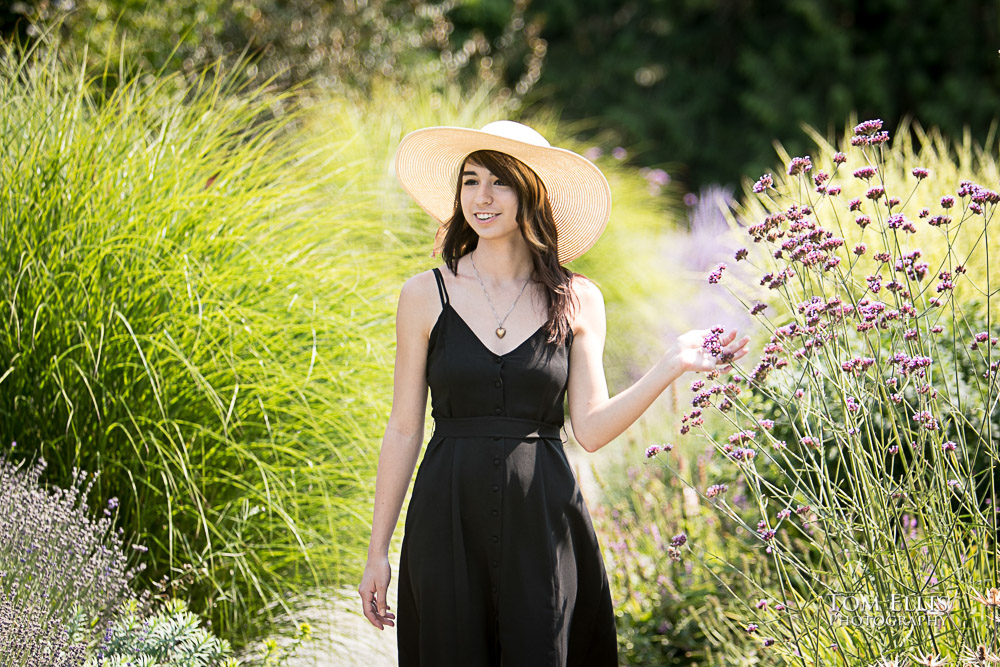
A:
x: 427, y: 163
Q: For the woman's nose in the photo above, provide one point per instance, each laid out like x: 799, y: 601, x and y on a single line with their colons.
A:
x: 484, y: 194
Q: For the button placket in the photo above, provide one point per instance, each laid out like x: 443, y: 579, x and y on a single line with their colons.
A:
x: 496, y: 488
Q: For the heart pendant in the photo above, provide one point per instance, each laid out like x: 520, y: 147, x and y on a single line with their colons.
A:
x: 501, y: 332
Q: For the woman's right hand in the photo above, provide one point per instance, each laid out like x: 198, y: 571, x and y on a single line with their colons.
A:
x: 374, y: 584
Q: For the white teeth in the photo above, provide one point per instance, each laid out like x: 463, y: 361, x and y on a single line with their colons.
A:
x: 484, y: 216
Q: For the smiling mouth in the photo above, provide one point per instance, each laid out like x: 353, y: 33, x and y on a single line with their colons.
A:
x: 483, y: 217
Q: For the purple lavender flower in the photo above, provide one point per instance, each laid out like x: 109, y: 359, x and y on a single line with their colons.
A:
x: 593, y: 153
x: 758, y: 308
x: 678, y: 540
x: 839, y: 158
x: 863, y: 221
x: 947, y: 202
x: 920, y: 173
x: 875, y: 192
x: 652, y: 451
x: 619, y: 153
x: 949, y: 446
x: 752, y: 628
x: 865, y: 172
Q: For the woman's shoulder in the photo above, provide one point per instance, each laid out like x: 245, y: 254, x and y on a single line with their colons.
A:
x: 585, y: 289
x: 420, y: 288
x: 589, y: 300
x: 419, y: 302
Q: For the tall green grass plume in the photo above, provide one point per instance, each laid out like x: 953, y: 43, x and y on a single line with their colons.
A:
x: 177, y: 317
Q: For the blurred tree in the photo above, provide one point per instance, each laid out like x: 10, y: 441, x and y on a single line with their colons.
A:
x: 340, y: 44
x: 708, y: 84
x: 712, y: 83
x: 343, y: 43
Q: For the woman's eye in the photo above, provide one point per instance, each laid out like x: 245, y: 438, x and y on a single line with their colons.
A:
x: 470, y: 181
x: 499, y: 182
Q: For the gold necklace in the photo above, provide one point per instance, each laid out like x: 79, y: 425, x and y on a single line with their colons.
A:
x: 500, y: 331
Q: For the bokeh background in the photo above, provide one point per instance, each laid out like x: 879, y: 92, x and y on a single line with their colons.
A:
x: 203, y: 243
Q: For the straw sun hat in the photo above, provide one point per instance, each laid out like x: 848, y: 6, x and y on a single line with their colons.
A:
x: 427, y: 163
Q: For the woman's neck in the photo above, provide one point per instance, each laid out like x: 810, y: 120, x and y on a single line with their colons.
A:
x: 502, y: 263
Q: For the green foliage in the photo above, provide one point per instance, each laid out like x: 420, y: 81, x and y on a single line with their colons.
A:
x: 339, y: 44
x: 179, y: 317
x: 172, y: 637
x: 674, y: 603
x: 711, y: 84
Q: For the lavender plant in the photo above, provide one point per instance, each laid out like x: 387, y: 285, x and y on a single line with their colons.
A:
x: 63, y: 575
x: 866, y: 434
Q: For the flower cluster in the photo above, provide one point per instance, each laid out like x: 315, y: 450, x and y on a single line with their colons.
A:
x: 872, y: 337
x: 63, y: 576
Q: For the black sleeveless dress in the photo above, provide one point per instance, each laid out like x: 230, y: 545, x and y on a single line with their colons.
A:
x: 500, y: 564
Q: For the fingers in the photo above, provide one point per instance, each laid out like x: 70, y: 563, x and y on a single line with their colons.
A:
x: 383, y: 606
x: 369, y: 608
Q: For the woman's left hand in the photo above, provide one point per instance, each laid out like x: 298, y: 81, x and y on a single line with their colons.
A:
x: 693, y: 356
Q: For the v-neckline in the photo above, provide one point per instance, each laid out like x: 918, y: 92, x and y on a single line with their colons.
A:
x: 484, y: 345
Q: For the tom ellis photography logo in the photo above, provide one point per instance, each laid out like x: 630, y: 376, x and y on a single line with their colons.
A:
x: 861, y: 609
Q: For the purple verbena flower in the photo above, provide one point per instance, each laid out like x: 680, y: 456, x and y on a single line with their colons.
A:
x: 800, y: 165
x: 869, y: 127
x: 865, y: 172
x: 763, y: 183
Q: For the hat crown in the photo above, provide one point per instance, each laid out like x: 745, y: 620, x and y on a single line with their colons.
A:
x: 510, y: 129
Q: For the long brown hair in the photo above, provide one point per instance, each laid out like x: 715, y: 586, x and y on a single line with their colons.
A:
x: 534, y: 218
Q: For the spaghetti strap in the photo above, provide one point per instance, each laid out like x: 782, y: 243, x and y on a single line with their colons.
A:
x: 442, y: 291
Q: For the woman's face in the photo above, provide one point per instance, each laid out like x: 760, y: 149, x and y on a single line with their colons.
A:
x: 488, y: 204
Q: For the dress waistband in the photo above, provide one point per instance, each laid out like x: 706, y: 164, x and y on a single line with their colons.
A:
x: 504, y: 427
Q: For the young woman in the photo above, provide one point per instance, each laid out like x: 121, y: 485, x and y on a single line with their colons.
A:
x: 500, y: 564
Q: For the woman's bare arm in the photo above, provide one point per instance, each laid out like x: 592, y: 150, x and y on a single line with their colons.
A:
x: 402, y: 440
x: 598, y: 419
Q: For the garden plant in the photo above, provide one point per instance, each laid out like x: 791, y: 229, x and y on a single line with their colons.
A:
x: 866, y: 435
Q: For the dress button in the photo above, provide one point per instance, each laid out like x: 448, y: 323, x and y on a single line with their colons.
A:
x: 495, y: 539
x: 496, y: 462
x: 495, y: 488
x: 497, y: 411
x: 497, y: 383
x: 494, y: 513
x: 497, y: 359
x: 496, y: 564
